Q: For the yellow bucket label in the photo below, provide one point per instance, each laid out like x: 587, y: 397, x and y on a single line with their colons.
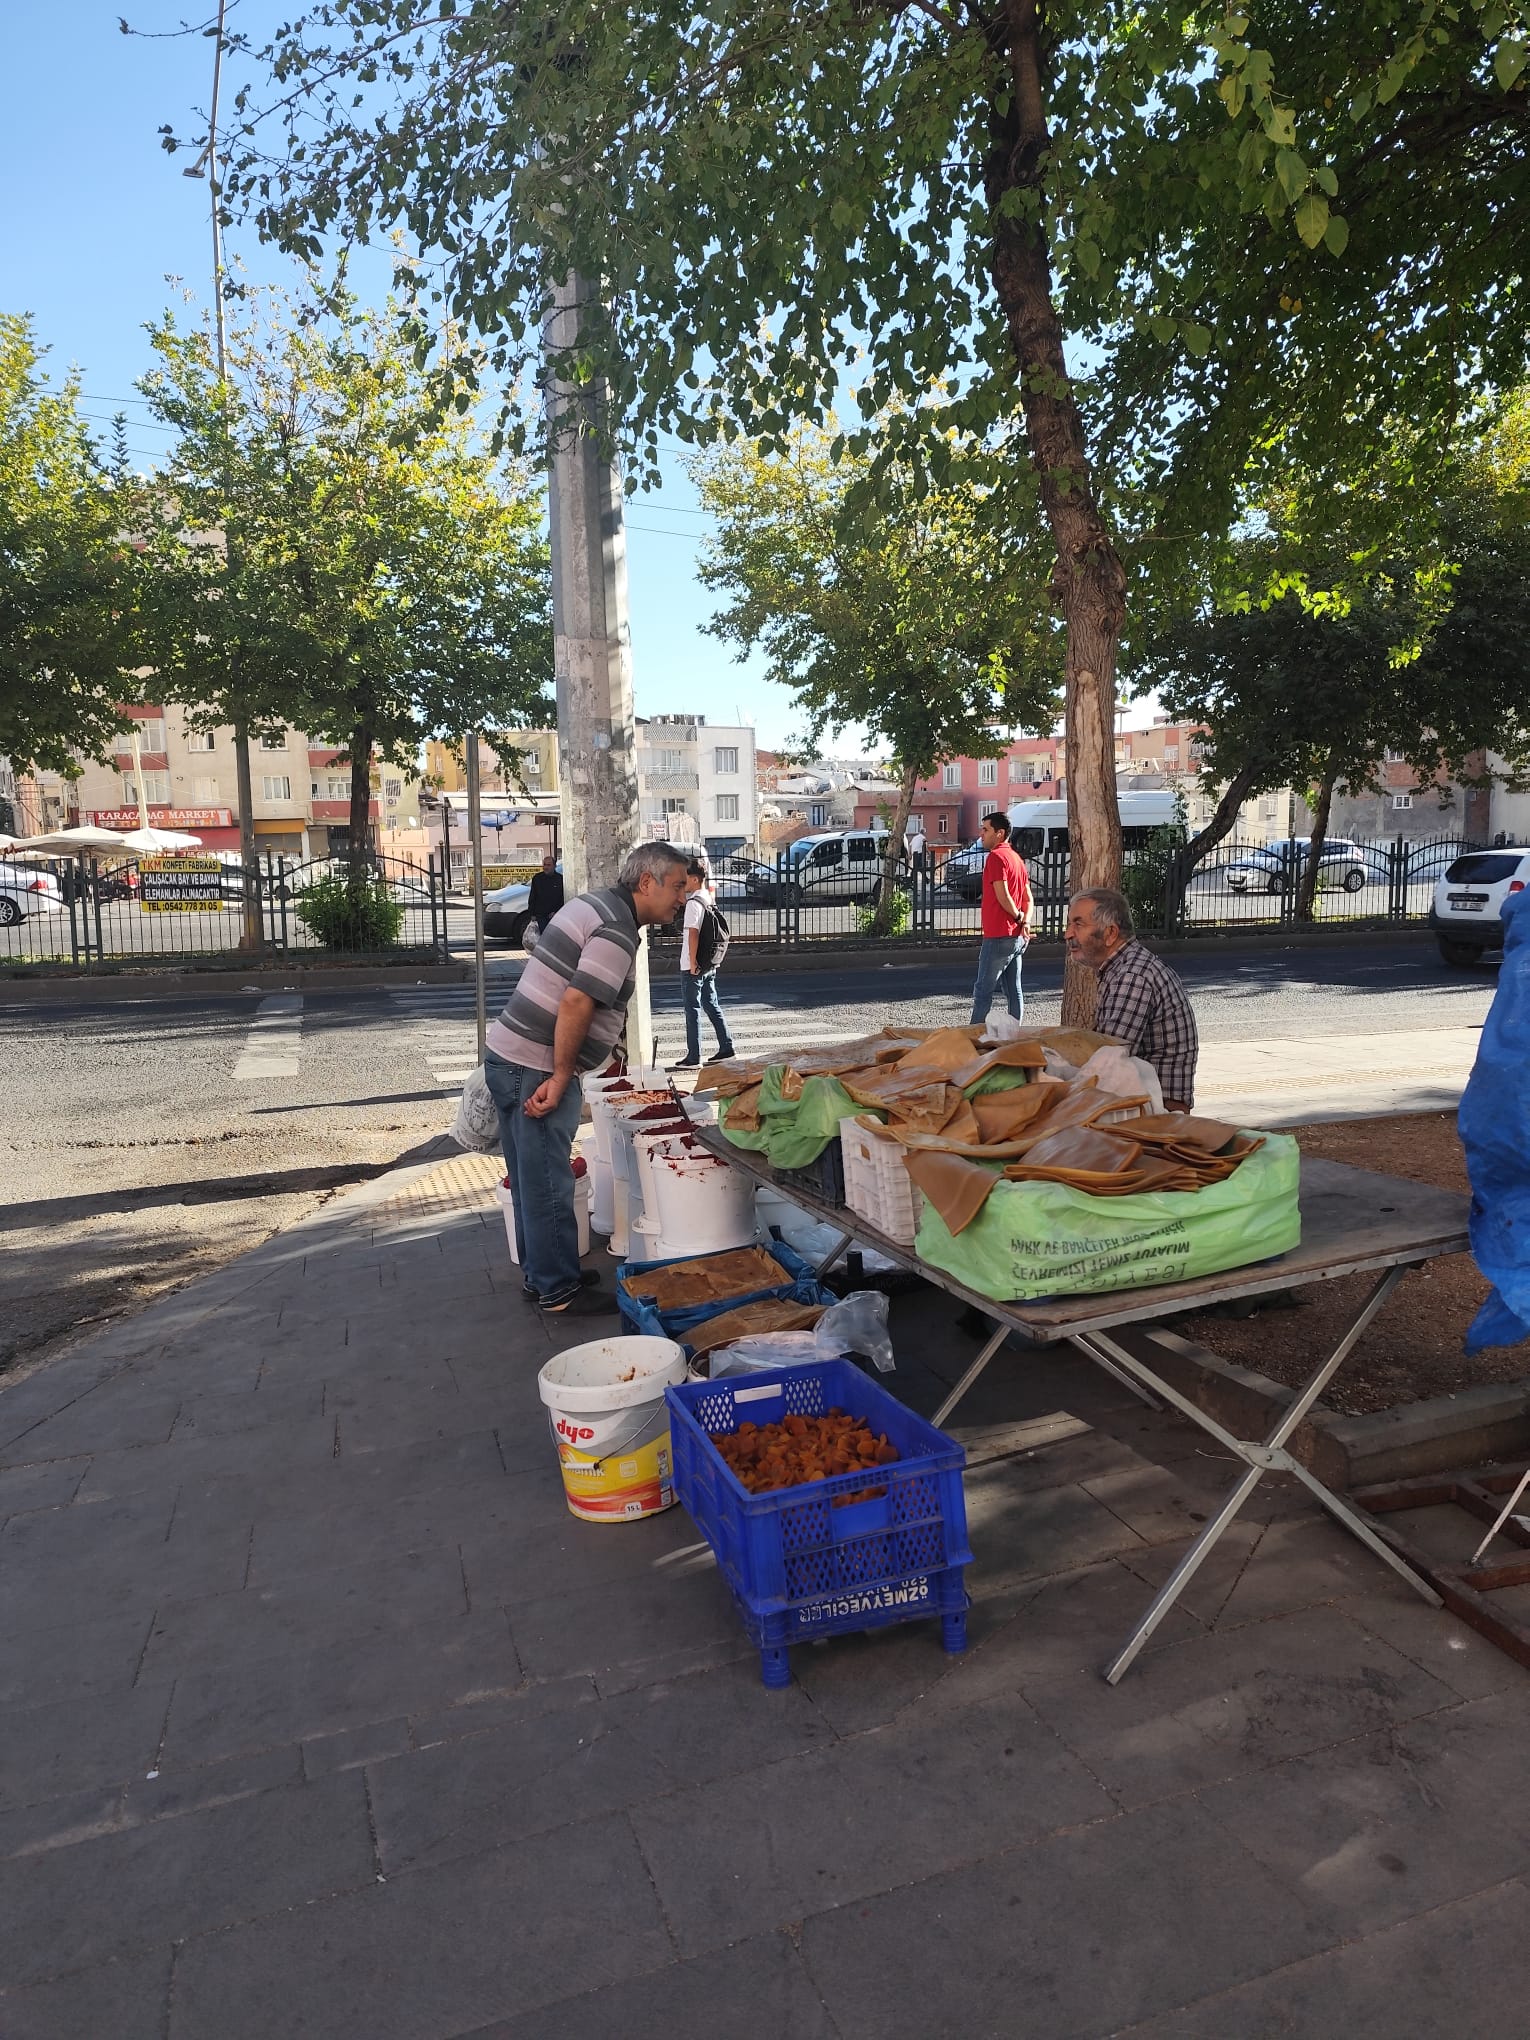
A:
x: 638, y: 1480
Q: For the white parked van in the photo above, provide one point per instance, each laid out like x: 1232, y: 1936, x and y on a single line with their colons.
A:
x: 1039, y: 826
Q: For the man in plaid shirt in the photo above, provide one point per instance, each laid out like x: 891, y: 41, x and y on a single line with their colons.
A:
x: 1141, y: 1000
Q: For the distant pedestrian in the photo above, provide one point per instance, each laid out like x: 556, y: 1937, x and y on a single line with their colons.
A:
x: 564, y: 1018
x: 915, y: 840
x: 703, y: 945
x: 546, y: 893
x: 1006, y: 922
x: 1142, y: 1002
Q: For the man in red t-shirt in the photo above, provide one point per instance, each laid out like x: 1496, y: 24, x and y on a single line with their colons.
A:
x: 1006, y: 922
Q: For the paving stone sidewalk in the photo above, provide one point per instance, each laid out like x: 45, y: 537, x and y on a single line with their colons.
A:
x: 323, y: 1717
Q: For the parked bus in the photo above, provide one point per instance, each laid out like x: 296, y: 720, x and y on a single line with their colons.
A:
x: 1040, y: 827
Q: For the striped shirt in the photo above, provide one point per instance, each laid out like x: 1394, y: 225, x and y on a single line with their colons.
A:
x: 591, y: 945
x: 1144, y: 1004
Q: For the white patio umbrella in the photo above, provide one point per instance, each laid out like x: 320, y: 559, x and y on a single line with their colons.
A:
x: 160, y: 839
x: 64, y: 842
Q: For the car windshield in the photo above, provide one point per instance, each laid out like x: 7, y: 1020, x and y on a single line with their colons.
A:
x: 1483, y: 867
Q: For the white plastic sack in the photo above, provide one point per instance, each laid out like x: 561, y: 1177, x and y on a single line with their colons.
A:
x: 1128, y: 1076
x: 857, y: 1325
x: 476, y: 1126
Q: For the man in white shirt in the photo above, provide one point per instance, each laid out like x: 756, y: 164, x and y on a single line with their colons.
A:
x: 703, y: 943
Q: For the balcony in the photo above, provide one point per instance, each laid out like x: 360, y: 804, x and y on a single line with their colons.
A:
x: 337, y: 810
x: 671, y: 782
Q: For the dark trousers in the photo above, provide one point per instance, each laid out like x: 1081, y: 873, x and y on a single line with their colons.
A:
x: 699, y: 989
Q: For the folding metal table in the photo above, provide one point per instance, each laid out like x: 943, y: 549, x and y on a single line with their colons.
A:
x: 1353, y: 1222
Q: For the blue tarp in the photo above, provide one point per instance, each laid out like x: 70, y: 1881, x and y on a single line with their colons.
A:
x: 1494, y: 1124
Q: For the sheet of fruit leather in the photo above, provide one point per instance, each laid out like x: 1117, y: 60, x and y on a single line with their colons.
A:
x: 1183, y: 1129
x: 926, y: 1107
x: 1129, y: 1183
x: 889, y: 1085
x: 957, y: 1188
x: 961, y: 1126
x: 728, y: 1079
x: 1084, y: 1147
x: 744, y: 1110
x: 1001, y: 1115
x: 1009, y: 1055
x: 947, y: 1049
x: 770, y: 1314
x: 708, y: 1278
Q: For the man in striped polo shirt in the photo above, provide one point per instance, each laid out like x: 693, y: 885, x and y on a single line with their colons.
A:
x: 564, y: 1018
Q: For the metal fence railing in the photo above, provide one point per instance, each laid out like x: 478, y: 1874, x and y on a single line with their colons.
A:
x: 87, y: 913
x: 826, y: 894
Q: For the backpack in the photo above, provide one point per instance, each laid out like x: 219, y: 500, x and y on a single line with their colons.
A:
x: 712, y: 939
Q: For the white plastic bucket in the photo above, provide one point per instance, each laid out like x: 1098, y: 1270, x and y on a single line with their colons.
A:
x: 602, y: 1208
x: 506, y: 1204
x: 605, y: 1403
x: 704, y: 1206
x: 645, y: 1145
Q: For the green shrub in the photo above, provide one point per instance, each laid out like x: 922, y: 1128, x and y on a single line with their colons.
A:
x: 351, y: 913
x: 900, y: 916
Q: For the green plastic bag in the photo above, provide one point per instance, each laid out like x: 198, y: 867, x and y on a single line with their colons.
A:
x: 1045, y: 1239
x: 793, y: 1131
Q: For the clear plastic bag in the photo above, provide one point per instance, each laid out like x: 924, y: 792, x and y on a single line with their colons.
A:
x: 858, y: 1325
x: 1127, y: 1076
x: 476, y: 1126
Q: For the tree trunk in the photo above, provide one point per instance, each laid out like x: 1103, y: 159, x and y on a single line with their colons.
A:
x: 359, y: 857
x: 1306, y: 891
x: 1088, y: 582
x: 887, y: 885
x: 1234, y: 794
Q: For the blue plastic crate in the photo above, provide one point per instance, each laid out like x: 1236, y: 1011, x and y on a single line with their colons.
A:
x: 799, y: 1566
x: 640, y: 1316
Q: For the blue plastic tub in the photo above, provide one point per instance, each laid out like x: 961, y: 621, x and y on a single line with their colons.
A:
x: 639, y: 1316
x: 799, y: 1566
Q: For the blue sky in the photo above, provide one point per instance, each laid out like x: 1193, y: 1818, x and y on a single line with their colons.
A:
x: 96, y: 216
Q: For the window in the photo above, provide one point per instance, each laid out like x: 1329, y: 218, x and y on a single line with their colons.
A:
x: 1402, y: 800
x: 673, y: 804
x: 156, y: 788
x: 205, y: 792
x: 818, y: 814
x: 951, y: 775
x: 945, y: 824
x: 725, y: 758
x: 1019, y: 771
x: 273, y: 743
x: 393, y: 789
x: 988, y: 772
x: 199, y: 740
x: 727, y: 807
x: 277, y: 787
x: 339, y: 789
x: 1394, y: 757
x: 864, y: 850
x: 670, y: 761
x: 151, y: 734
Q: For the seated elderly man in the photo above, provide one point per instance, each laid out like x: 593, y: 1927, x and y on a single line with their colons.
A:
x: 1141, y: 1000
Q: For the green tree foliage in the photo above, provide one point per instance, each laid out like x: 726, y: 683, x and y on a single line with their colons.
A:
x: 907, y: 609
x: 1296, y: 225
x: 63, y: 639
x: 1310, y: 678
x: 330, y: 547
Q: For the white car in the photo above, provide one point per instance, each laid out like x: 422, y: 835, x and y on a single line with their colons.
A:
x: 27, y: 889
x: 1467, y: 914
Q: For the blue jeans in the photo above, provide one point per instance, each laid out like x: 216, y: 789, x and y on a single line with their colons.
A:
x: 998, y: 970
x: 700, y: 993
x: 539, y: 1162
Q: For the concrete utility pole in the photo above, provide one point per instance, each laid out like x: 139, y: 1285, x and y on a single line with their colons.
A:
x: 592, y: 640
x: 475, y: 831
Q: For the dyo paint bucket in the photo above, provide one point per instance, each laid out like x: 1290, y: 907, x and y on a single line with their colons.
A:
x: 605, y: 1403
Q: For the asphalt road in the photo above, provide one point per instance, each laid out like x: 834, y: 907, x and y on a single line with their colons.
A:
x: 147, y: 1141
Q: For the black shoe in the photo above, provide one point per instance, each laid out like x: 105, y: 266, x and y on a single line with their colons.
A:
x: 587, y: 1276
x: 689, y: 1063
x: 724, y: 1055
x: 583, y: 1303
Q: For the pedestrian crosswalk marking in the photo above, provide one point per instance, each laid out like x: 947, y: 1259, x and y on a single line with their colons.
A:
x: 274, y: 1044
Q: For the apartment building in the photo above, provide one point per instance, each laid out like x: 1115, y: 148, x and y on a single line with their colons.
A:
x: 533, y: 768
x: 697, y: 781
x: 301, y: 790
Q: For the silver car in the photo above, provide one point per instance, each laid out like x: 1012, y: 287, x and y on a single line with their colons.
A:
x: 27, y: 889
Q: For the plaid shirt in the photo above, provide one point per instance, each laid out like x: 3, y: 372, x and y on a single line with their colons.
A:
x: 1143, y: 1004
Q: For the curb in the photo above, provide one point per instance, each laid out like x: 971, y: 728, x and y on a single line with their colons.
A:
x: 1437, y: 1435
x: 222, y: 984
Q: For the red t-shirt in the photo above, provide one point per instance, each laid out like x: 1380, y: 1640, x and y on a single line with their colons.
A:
x: 1004, y: 863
